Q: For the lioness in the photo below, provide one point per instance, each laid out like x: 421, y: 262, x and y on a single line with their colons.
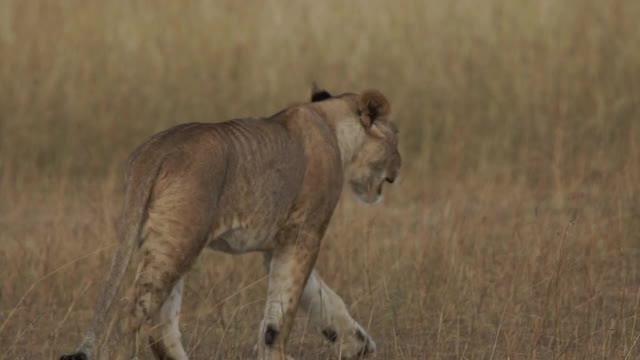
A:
x: 268, y: 185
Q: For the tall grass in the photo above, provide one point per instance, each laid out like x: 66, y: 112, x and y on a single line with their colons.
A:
x: 514, y: 232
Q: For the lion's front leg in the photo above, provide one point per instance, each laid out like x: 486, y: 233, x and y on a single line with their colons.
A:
x: 289, y: 268
x: 330, y: 315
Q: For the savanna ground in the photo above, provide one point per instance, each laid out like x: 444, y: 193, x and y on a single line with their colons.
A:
x: 514, y: 231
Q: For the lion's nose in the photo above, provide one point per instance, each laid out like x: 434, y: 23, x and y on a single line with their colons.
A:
x: 390, y: 180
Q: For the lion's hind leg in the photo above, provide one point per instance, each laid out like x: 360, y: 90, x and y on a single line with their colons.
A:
x: 176, y: 230
x: 174, y: 236
x: 156, y: 302
x: 165, y: 338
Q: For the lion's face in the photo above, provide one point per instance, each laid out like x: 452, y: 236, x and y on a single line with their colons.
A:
x: 377, y: 162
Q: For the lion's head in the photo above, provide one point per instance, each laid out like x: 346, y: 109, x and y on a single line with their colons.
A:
x: 377, y: 160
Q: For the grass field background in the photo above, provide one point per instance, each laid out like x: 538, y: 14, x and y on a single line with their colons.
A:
x: 514, y: 231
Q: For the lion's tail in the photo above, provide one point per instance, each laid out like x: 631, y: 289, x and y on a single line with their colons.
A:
x: 133, y: 216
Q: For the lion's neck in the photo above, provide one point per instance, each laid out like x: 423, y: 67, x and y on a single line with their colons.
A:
x: 349, y: 132
x: 350, y: 136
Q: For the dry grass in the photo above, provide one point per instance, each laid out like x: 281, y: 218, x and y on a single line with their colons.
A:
x: 514, y: 233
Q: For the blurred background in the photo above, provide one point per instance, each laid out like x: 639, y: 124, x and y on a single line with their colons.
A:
x: 513, y: 233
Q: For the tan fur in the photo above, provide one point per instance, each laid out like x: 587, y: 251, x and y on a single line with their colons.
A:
x: 268, y: 185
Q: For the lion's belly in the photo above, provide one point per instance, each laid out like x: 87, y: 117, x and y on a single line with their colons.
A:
x: 238, y: 235
x: 238, y: 241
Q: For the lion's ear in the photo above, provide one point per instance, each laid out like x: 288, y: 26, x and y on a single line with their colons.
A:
x: 372, y: 105
x: 318, y: 93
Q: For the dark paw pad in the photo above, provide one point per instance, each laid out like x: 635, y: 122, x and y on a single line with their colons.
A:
x: 320, y: 96
x: 75, y: 356
x: 270, y: 335
x: 330, y: 335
